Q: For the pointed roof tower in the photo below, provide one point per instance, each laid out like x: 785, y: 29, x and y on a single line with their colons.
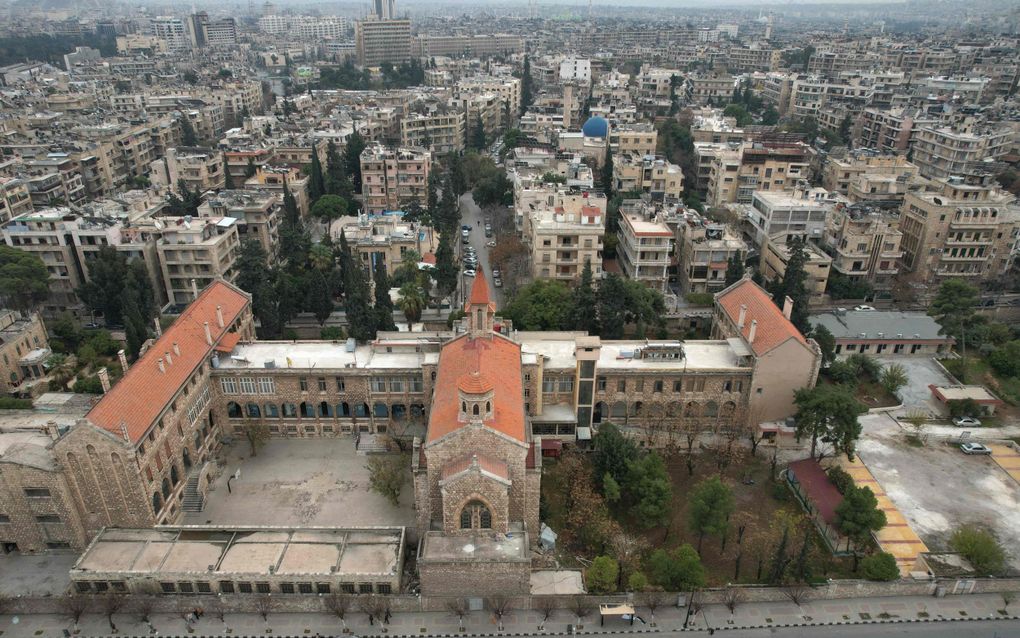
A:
x: 480, y: 308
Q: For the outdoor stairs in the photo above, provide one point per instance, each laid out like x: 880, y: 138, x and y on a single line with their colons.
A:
x: 370, y: 444
x: 191, y: 500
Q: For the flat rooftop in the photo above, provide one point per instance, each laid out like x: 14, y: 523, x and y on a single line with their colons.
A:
x: 251, y: 550
x: 441, y: 547
x: 891, y: 324
x: 323, y: 355
x: 558, y: 348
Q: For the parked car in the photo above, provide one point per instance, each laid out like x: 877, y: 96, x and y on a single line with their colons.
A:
x: 864, y: 308
x: 974, y: 448
x: 466, y: 227
x: 497, y: 282
x: 966, y: 422
x: 469, y: 273
x: 488, y: 233
x: 496, y: 273
x: 490, y: 244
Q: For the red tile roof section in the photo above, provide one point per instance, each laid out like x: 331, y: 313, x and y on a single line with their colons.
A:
x: 817, y: 488
x: 228, y: 342
x: 495, y: 357
x: 475, y: 383
x: 773, y: 328
x: 480, y: 293
x: 485, y: 463
x: 143, y: 393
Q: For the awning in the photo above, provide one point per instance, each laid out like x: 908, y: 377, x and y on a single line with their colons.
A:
x: 614, y: 609
x: 552, y: 444
x: 584, y: 434
x: 228, y: 342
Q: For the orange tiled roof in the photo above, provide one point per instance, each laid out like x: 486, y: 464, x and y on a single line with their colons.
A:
x: 474, y: 383
x: 480, y: 293
x: 498, y: 359
x: 228, y: 342
x: 143, y: 393
x: 485, y: 463
x: 773, y: 328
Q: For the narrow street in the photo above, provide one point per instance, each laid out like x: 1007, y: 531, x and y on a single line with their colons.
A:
x: 471, y: 215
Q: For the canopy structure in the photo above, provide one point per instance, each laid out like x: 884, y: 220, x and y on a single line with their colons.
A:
x: 616, y: 610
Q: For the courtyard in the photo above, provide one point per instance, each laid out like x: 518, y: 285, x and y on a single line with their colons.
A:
x: 300, y: 482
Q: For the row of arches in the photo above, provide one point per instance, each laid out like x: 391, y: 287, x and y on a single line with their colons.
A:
x: 623, y: 411
x: 324, y: 410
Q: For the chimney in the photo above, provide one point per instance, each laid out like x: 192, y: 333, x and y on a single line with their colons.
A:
x: 104, y: 379
x: 219, y: 315
x: 743, y: 316
x: 169, y: 358
x: 159, y: 328
x: 159, y: 362
x: 208, y: 335
x: 123, y: 360
x: 177, y: 349
x: 753, y: 331
x: 787, y: 307
x: 194, y: 288
x: 51, y: 430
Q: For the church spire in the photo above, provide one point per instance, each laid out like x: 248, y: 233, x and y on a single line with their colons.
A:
x: 480, y: 308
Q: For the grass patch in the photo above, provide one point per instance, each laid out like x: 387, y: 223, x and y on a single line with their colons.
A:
x: 977, y: 371
x: 914, y: 441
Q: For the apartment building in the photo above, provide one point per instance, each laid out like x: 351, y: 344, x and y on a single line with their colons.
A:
x: 258, y: 214
x: 657, y: 176
x: 383, y: 238
x: 775, y: 257
x: 174, y: 31
x: 508, y: 89
x: 15, y: 198
x: 488, y: 109
x: 575, y: 70
x: 201, y: 169
x: 633, y: 139
x: 890, y: 131
x: 275, y: 178
x: 717, y: 168
x: 391, y: 177
x: 959, y: 149
x: 24, y: 350
x: 194, y: 252
x: 379, y: 41
x: 753, y: 59
x: 784, y: 216
x: 564, y: 232
x: 863, y: 172
x: 865, y: 245
x: 772, y: 166
x: 962, y: 228
x: 708, y: 89
x: 644, y: 249
x: 467, y: 46
x: 46, y: 233
x: 438, y: 132
x: 704, y: 250
x: 714, y: 128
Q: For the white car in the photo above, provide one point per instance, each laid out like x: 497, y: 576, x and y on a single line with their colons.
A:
x: 469, y: 273
x: 490, y: 244
x: 863, y: 308
x: 966, y: 422
x: 974, y: 448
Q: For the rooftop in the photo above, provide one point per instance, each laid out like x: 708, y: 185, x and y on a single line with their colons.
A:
x: 879, y: 324
x: 773, y: 328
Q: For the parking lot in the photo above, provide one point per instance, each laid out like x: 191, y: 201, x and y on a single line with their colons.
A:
x: 921, y: 371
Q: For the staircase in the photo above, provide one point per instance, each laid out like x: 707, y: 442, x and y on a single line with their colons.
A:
x: 367, y: 443
x: 191, y: 500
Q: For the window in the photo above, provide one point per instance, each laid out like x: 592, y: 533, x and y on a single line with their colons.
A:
x: 347, y: 588
x: 228, y: 385
x: 5, y: 518
x: 168, y: 588
x: 322, y: 384
x: 65, y: 545
x: 677, y: 386
x: 365, y: 588
x: 185, y: 587
x: 244, y: 588
x: 566, y: 384
x: 36, y: 492
x: 378, y: 384
x: 475, y: 515
x: 657, y: 386
x: 247, y: 385
x: 340, y: 384
x: 262, y: 588
x: 415, y: 384
x: 621, y: 385
x: 303, y: 384
x: 289, y: 411
x: 226, y: 587
x: 548, y: 384
x: 383, y: 588
x: 600, y: 384
x: 47, y: 518
x: 322, y: 588
x: 203, y: 588
x: 267, y: 385
x: 640, y: 385
x: 272, y: 411
x: 304, y: 588
x: 286, y: 588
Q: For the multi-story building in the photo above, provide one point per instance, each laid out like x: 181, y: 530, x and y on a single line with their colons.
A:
x: 507, y: 88
x: 47, y: 234
x: 963, y: 228
x: 890, y: 131
x: 383, y: 239
x: 566, y: 234
x: 657, y: 176
x: 864, y: 245
x: 392, y: 177
x: 644, y: 249
x: 784, y: 216
x: 760, y: 166
x: 775, y: 256
x: 705, y: 249
x: 945, y: 151
x: 257, y: 213
x: 633, y: 139
x: 381, y: 41
x: 709, y: 89
x: 469, y: 46
x: 438, y: 132
x: 24, y: 349
x: 840, y: 174
x: 172, y: 30
x: 201, y: 169
x: 15, y: 198
x: 275, y: 178
x: 575, y: 70
x: 195, y: 252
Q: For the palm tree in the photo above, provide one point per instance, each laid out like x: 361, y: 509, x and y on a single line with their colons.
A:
x: 59, y: 367
x: 412, y: 302
x: 321, y: 257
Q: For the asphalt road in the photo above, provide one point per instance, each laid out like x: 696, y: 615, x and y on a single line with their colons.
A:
x: 963, y: 629
x: 471, y: 215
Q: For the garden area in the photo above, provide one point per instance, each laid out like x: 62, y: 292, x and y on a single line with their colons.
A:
x: 640, y: 521
x: 873, y: 385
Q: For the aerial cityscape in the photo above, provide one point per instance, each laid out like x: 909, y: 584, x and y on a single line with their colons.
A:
x: 509, y: 318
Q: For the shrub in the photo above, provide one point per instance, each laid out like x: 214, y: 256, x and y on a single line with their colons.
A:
x: 601, y: 576
x: 963, y: 407
x: 1006, y: 360
x: 843, y: 372
x: 979, y: 547
x: 893, y: 378
x: 10, y: 403
x: 865, y: 365
x: 88, y: 385
x: 637, y: 582
x: 880, y: 566
x: 700, y: 298
x: 840, y: 479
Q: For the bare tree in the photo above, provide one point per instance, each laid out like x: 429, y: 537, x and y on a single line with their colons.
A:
x: 338, y: 604
x: 797, y: 592
x: 112, y: 603
x: 218, y: 609
x: 581, y: 607
x: 653, y: 600
x: 732, y: 597
x: 75, y: 606
x: 628, y: 549
x: 373, y: 607
x: 143, y: 606
x: 1007, y: 598
x: 264, y: 606
x: 546, y: 607
x: 458, y: 607
x: 499, y: 606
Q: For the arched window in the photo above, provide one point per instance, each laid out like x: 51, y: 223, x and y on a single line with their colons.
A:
x: 600, y: 410
x: 475, y: 515
x: 728, y: 409
x: 186, y: 458
x: 233, y: 410
x: 712, y: 409
x: 488, y: 407
x: 307, y: 410
x: 166, y: 488
x: 289, y: 411
x: 380, y: 410
x: 325, y: 409
x: 619, y: 410
x: 361, y: 410
x: 175, y: 476
x: 198, y: 440
x: 418, y: 411
x: 398, y: 411
x: 253, y: 410
x: 463, y: 406
x: 635, y: 408
x: 343, y: 409
x: 692, y: 409
x: 474, y: 409
x: 157, y: 503
x: 271, y: 411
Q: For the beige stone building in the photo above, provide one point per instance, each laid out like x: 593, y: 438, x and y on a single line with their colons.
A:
x: 391, y: 177
x: 633, y: 139
x: 196, y: 252
x: 383, y: 238
x: 14, y: 198
x: 645, y: 249
x: 438, y: 132
x: 760, y: 166
x: 566, y: 235
x: 657, y: 176
x: 775, y: 255
x: 201, y: 169
x: 46, y: 233
x: 379, y: 41
x: 275, y: 178
x: 865, y: 245
x: 859, y: 176
x: 963, y: 228
x: 959, y: 149
x: 24, y: 349
x: 258, y: 214
x: 704, y: 249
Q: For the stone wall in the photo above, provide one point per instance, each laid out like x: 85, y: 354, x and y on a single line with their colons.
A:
x: 480, y: 578
x: 48, y: 496
x: 461, y: 490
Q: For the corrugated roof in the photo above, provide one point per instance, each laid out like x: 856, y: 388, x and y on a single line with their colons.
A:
x: 773, y: 328
x: 139, y: 398
x: 890, y: 323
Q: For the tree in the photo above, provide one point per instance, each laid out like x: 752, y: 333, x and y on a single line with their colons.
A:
x: 75, y: 606
x: 387, y: 475
x: 188, y: 136
x: 112, y: 603
x: 584, y: 302
x: 979, y: 547
x: 581, y: 607
x: 319, y: 300
x: 893, y: 378
x: 383, y: 302
x: 446, y: 269
x: 412, y: 302
x: 857, y: 516
x: 711, y: 506
x: 249, y: 170
x: 637, y: 582
x: 459, y: 608
x: 793, y: 285
x: 544, y: 304
x: 826, y: 343
x: 500, y: 607
x: 612, y: 307
x: 648, y: 486
x: 610, y: 488
x: 478, y: 134
x: 601, y: 575
x: 613, y: 453
x: 953, y: 308
x: 607, y: 173
x: 526, y: 86
x: 677, y: 570
x: 880, y: 566
x: 734, y: 269
x: 316, y: 180
x: 352, y: 158
x: 337, y: 182
x: 329, y: 207
x: 828, y: 413
x: 24, y: 280
x: 257, y: 434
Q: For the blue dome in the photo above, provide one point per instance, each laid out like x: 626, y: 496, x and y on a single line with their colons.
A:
x: 596, y: 127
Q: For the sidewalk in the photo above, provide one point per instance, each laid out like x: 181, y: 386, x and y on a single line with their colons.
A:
x: 671, y: 619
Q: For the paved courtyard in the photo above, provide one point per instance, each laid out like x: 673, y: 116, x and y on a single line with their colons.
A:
x: 921, y: 371
x: 300, y: 482
x: 39, y: 575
